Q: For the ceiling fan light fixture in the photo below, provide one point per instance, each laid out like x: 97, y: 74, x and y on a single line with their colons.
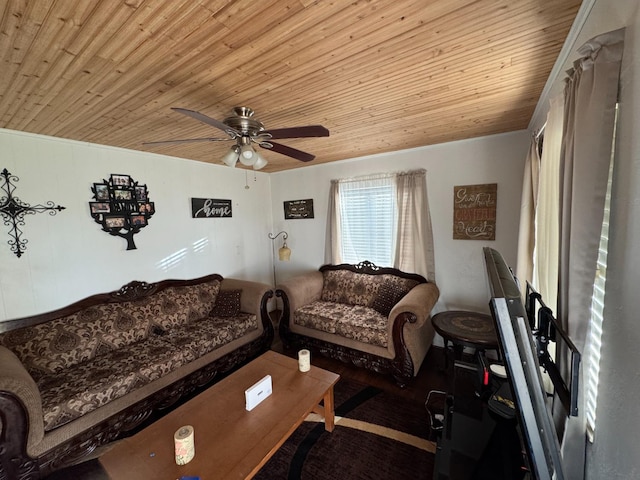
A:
x: 231, y: 157
x: 247, y: 155
x: 260, y: 162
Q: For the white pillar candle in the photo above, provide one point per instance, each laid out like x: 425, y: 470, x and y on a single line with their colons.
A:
x: 185, y: 446
x: 304, y: 360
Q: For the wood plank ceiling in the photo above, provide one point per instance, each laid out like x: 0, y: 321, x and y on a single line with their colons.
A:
x: 381, y: 75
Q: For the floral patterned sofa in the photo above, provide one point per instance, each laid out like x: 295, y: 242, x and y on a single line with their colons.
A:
x: 377, y: 318
x: 79, y: 377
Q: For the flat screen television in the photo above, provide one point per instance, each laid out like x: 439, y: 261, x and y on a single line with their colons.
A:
x: 521, y: 350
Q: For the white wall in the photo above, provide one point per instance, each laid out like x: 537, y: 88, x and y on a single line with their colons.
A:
x: 68, y: 257
x: 614, y: 453
x: 459, y: 264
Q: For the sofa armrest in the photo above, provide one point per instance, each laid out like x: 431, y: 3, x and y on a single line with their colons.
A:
x: 411, y: 330
x: 17, y: 384
x: 419, y: 301
x: 253, y: 294
x: 301, y: 290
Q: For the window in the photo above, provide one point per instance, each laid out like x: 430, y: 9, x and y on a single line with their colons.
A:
x: 367, y: 220
x: 383, y: 219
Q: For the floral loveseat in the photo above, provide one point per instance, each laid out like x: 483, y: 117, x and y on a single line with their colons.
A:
x: 378, y: 318
x: 79, y: 377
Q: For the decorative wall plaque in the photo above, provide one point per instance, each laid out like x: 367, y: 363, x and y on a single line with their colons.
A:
x: 294, y: 209
x: 122, y: 207
x: 13, y: 211
x: 210, y: 208
x: 474, y: 212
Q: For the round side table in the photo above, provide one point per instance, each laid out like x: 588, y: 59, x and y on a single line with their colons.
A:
x: 465, y: 329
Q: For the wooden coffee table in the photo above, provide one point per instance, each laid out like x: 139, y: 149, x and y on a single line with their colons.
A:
x: 230, y: 442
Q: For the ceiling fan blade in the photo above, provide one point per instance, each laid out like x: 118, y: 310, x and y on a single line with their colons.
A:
x: 186, y: 140
x: 299, y: 132
x: 233, y: 133
x: 288, y: 151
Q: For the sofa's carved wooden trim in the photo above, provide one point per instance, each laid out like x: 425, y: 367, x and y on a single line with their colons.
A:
x: 135, y: 290
x: 402, y: 364
x: 15, y: 463
x: 401, y: 367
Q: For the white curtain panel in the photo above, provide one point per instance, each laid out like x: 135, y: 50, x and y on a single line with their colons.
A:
x: 526, y: 233
x: 414, y: 240
x: 332, y: 251
x: 547, y: 228
x: 591, y: 94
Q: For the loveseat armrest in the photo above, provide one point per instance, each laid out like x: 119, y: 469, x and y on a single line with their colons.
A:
x: 21, y: 417
x: 301, y: 290
x: 419, y: 301
x: 254, y: 294
x: 411, y: 330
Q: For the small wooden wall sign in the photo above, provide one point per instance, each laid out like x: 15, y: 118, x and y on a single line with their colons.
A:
x: 474, y: 212
x: 298, y: 209
x: 210, y: 208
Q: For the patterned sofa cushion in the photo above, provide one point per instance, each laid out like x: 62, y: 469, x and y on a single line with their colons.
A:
x: 92, y: 384
x: 354, y: 288
x: 388, y: 295
x: 345, y: 286
x: 54, y: 346
x: 356, y: 322
x: 227, y: 304
x: 206, y: 335
x: 176, y: 306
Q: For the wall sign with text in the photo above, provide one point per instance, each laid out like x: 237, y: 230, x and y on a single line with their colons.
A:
x: 474, y: 212
x: 210, y: 208
x: 298, y: 209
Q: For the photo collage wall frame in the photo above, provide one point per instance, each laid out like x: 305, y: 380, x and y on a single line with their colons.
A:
x: 122, y: 207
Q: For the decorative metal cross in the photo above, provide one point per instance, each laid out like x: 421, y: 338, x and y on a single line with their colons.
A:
x: 13, y: 211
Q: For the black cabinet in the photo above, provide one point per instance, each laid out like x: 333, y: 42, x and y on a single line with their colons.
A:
x: 477, y: 441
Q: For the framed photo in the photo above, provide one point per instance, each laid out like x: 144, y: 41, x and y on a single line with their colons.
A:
x: 100, y: 207
x: 114, y: 222
x: 145, y: 208
x: 141, y: 193
x: 120, y: 180
x: 138, y: 220
x: 120, y: 194
x: 102, y: 191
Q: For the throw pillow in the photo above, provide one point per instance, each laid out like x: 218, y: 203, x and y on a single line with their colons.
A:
x: 387, y: 297
x: 227, y: 304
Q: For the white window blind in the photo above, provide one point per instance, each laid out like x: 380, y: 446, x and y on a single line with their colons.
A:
x: 367, y: 220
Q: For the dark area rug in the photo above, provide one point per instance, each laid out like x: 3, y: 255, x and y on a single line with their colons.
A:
x: 358, y: 448
x: 380, y: 437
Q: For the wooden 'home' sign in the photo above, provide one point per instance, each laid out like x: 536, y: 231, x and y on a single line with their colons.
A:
x: 474, y: 212
x: 211, y: 208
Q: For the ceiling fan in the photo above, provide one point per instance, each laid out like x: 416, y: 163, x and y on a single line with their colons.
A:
x: 246, y: 130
